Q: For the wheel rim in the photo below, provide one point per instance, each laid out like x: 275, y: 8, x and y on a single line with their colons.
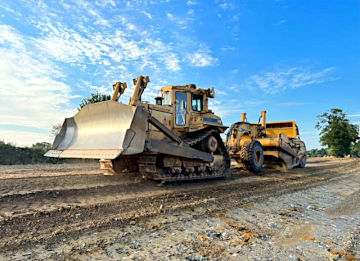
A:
x: 258, y: 156
x: 212, y: 144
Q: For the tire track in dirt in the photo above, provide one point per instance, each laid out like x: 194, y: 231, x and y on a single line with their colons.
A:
x: 82, y: 195
x: 58, y: 183
x: 106, y: 193
x: 27, y: 228
x: 48, y: 170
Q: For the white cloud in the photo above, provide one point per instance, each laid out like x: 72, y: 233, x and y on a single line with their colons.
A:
x: 130, y: 26
x: 170, y: 16
x: 220, y: 92
x: 201, y: 58
x: 148, y: 15
x: 94, y: 88
x: 295, y: 77
x: 228, y: 48
x: 68, y: 46
x: 354, y: 115
x: 172, y: 62
x: 236, y: 17
x: 182, y: 22
x: 224, y: 4
x: 32, y: 93
x: 228, y: 108
x: 189, y: 3
x: 105, y: 3
x: 122, y: 42
x: 23, y: 138
x: 101, y: 89
x: 8, y: 36
x: 280, y: 22
x: 224, y: 110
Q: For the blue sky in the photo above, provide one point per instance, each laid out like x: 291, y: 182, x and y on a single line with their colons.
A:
x: 295, y: 59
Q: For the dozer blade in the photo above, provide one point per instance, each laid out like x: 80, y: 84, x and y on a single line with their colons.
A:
x: 101, y: 130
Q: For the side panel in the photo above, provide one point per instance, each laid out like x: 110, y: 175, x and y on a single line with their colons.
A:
x: 286, y: 127
x: 162, y: 114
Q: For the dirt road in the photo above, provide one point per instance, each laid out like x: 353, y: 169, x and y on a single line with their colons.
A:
x: 74, y: 212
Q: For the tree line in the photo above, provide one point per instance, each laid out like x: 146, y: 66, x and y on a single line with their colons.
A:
x: 34, y: 154
x: 354, y: 152
x: 11, y: 154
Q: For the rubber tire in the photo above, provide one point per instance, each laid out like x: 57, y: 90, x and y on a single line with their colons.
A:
x: 248, y: 156
x: 302, y: 162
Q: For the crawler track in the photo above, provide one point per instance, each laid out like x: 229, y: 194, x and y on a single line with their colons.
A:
x: 46, y: 208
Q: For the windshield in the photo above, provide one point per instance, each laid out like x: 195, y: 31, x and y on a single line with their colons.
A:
x: 180, y: 110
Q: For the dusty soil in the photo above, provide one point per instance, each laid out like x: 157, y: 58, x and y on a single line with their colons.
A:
x: 73, y: 212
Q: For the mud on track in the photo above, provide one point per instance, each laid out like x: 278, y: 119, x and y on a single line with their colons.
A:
x: 47, y: 203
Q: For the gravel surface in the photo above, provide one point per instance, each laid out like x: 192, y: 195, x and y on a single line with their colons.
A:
x: 305, y: 214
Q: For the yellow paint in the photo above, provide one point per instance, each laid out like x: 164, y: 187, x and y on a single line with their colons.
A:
x: 274, y: 153
x: 244, y: 138
x: 269, y: 142
x: 243, y: 116
x: 263, y: 118
x: 274, y: 129
x: 136, y: 91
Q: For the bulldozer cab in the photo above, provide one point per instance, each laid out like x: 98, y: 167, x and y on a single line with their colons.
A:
x: 190, y: 106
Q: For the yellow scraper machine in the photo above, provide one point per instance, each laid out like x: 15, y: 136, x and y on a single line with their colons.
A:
x: 178, y: 138
x: 268, y: 144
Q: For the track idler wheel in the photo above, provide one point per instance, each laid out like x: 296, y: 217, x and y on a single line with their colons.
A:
x: 252, y: 155
x: 210, y: 144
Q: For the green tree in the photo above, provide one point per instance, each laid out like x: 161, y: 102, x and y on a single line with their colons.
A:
x: 42, y: 146
x: 11, y: 154
x: 336, y: 132
x: 317, y: 153
x: 355, y: 150
x: 56, y: 129
x: 94, y: 98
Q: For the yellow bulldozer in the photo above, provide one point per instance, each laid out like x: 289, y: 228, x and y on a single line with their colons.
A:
x: 177, y: 138
x: 269, y: 144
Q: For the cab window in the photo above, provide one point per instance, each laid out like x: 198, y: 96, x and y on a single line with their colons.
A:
x: 180, y: 109
x: 167, y: 98
x: 197, y: 102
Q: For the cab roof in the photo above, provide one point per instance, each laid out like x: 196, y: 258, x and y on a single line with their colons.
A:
x: 186, y: 88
